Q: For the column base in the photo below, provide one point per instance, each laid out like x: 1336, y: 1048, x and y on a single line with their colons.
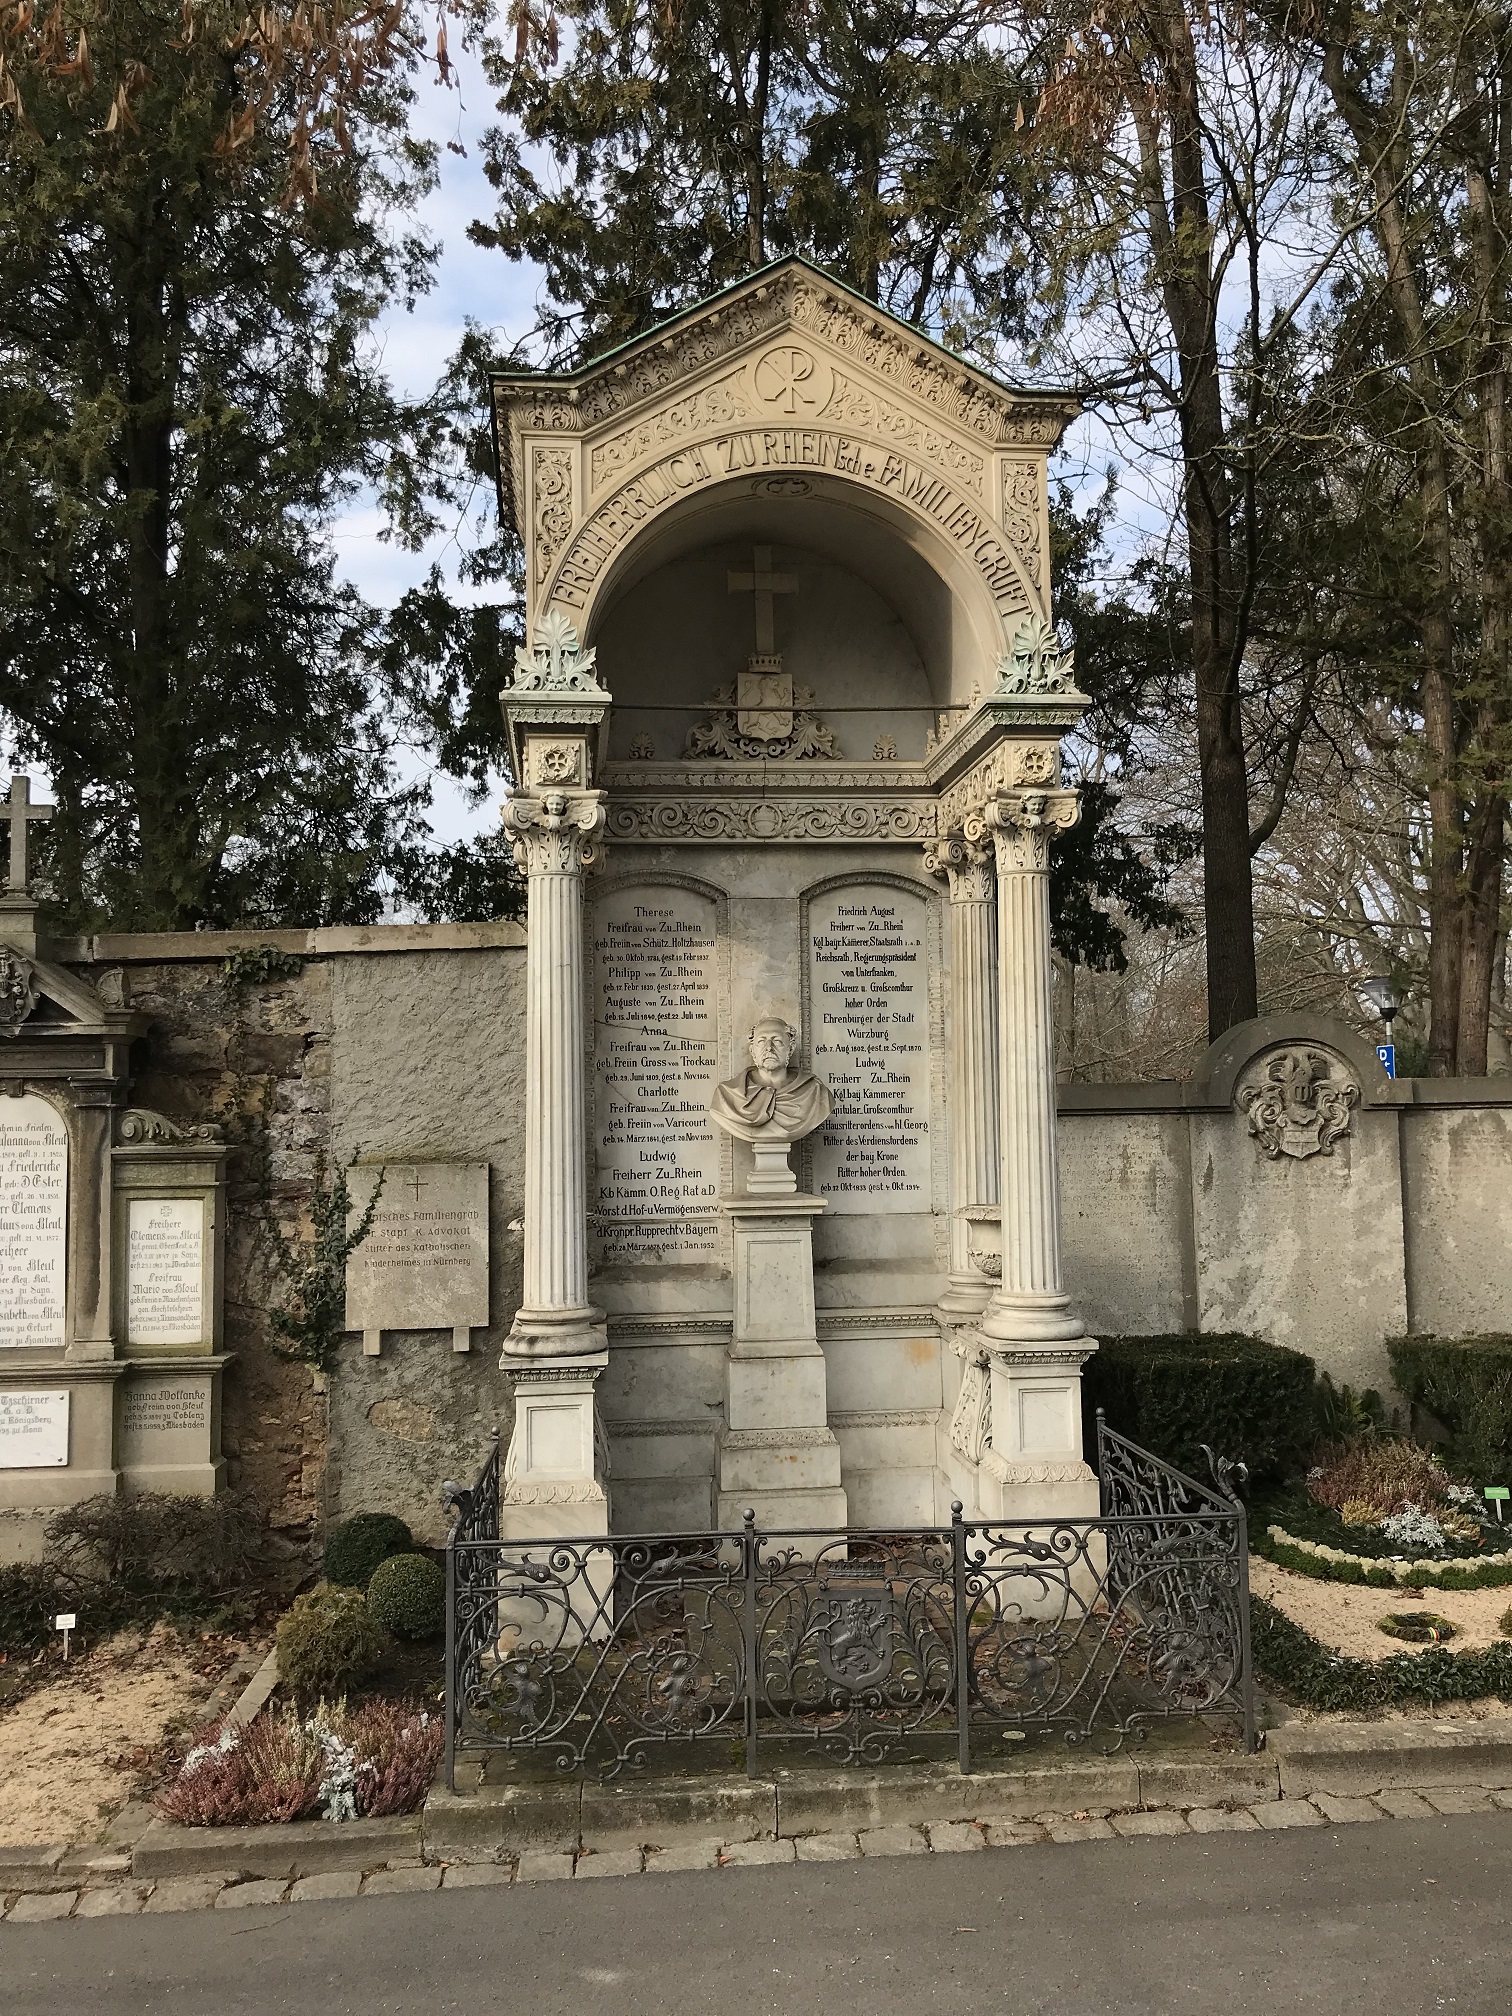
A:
x: 555, y: 1470
x: 1032, y: 1467
x: 1018, y: 1316
x: 553, y: 1334
x: 967, y: 1295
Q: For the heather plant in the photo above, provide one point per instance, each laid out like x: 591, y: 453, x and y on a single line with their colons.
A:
x: 337, y: 1764
x: 1367, y: 1482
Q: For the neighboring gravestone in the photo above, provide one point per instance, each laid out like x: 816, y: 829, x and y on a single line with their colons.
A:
x: 110, y: 1245
x: 34, y: 1429
x: 424, y: 1262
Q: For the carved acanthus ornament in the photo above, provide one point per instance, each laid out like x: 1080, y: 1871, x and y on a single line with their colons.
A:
x: 551, y: 487
x: 1299, y: 1100
x: 965, y: 865
x: 1021, y: 512
x: 1036, y: 661
x: 556, y: 663
x: 1020, y: 825
x: 766, y: 819
x: 18, y: 991
x: 971, y: 1423
x: 720, y: 740
x: 557, y: 832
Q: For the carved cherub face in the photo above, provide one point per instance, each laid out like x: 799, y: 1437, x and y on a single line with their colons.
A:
x: 772, y: 1045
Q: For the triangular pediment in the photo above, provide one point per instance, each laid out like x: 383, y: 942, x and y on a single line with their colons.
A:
x: 43, y: 1000
x: 851, y: 362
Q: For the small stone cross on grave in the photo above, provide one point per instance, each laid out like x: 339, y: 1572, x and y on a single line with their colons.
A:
x: 17, y: 811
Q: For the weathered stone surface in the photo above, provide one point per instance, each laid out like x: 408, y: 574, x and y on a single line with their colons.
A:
x: 113, y: 1900
x: 539, y: 1865
x: 611, y: 1862
x: 893, y: 1841
x: 244, y: 1896
x: 301, y: 1848
x: 1413, y: 1806
x: 332, y: 1883
x: 955, y: 1837
x: 1079, y: 1830
x: 1288, y: 1813
x: 649, y: 1815
x: 1342, y: 1811
x: 37, y: 1906
x: 1457, y: 1799
x: 756, y: 1854
x: 683, y: 1855
x: 1011, y: 1833
x: 1220, y: 1820
x: 399, y: 1882
x: 500, y: 1817
x: 828, y: 1848
x: 477, y: 1876
x: 1134, y: 1825
x: 1365, y: 1757
x: 185, y: 1893
x: 1208, y: 1781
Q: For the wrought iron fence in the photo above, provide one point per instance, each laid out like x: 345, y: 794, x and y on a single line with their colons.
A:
x: 596, y: 1653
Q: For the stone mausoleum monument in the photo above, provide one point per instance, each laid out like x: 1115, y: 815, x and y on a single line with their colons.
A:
x: 787, y: 740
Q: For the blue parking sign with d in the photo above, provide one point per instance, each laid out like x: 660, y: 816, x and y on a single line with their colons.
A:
x: 1387, y: 1054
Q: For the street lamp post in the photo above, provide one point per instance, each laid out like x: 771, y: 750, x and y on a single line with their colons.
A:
x: 1386, y: 1001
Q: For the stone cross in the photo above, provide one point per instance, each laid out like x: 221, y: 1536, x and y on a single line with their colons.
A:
x: 16, y: 811
x: 764, y: 585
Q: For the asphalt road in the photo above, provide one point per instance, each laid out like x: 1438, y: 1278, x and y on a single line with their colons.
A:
x: 1392, y: 1918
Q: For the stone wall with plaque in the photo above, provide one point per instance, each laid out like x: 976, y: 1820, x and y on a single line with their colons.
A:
x: 656, y: 1054
x: 869, y: 1040
x: 424, y: 1262
x: 34, y: 1428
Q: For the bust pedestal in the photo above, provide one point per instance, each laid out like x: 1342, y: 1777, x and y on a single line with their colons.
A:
x: 777, y: 1452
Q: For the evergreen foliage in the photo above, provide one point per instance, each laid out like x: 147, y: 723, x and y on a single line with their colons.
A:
x: 408, y: 1596
x: 1465, y: 1383
x: 1248, y: 1400
x: 1294, y: 1663
x: 358, y: 1546
x: 327, y: 1642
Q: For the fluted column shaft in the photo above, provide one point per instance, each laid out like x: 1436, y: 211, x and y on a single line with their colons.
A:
x: 974, y: 1059
x: 555, y: 844
x: 1029, y: 1304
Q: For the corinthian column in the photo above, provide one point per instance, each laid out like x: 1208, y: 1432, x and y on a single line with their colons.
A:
x: 1035, y: 1342
x: 974, y: 1097
x: 555, y: 843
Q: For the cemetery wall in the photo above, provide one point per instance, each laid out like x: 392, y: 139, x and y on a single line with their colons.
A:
x: 405, y: 1044
x: 399, y: 1040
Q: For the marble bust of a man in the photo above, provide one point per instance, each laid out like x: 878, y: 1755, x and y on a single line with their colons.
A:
x: 770, y: 1101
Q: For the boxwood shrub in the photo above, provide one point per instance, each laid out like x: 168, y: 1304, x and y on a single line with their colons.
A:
x: 1248, y: 1400
x: 408, y: 1596
x: 1466, y: 1384
x: 356, y: 1547
x: 1293, y: 1662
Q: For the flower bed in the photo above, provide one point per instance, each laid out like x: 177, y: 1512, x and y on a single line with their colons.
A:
x: 1293, y: 1662
x: 1338, y: 1564
x: 337, y: 1764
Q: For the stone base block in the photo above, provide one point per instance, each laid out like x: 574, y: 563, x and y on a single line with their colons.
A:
x: 786, y: 1511
x: 775, y: 1391
x: 779, y: 1459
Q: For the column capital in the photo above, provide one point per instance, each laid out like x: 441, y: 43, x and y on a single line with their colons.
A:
x: 966, y: 865
x: 555, y: 832
x: 1018, y: 825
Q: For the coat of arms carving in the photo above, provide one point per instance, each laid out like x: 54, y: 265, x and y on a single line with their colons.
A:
x: 1299, y: 1100
x: 18, y: 991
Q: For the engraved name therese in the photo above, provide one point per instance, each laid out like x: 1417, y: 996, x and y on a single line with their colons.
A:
x: 770, y: 1101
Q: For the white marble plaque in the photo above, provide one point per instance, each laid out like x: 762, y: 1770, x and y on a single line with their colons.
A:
x: 424, y: 1264
x: 655, y: 1067
x: 165, y: 1271
x: 869, y: 1042
x: 33, y: 1222
x: 33, y: 1429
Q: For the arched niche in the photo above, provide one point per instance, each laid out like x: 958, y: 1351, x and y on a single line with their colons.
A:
x: 887, y: 609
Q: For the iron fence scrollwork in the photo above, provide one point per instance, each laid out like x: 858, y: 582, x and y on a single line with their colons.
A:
x: 596, y: 1654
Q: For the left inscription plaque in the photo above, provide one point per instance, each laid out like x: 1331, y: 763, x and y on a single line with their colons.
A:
x: 33, y: 1429
x: 33, y: 1223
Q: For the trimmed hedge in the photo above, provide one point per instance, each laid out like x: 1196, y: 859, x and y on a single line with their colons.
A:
x: 1430, y: 1574
x: 358, y: 1545
x: 1250, y: 1401
x: 1292, y: 1661
x: 1466, y: 1382
x: 327, y: 1642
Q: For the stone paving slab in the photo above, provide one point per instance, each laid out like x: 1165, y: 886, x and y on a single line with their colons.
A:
x: 757, y: 1854
x: 117, y: 1900
x: 1457, y: 1799
x: 1080, y: 1830
x: 1012, y: 1833
x: 1131, y: 1826
x: 1288, y: 1813
x: 242, y: 1896
x: 1405, y: 1805
x: 330, y: 1883
x: 394, y: 1882
x: 611, y: 1862
x: 828, y: 1848
x: 1341, y: 1811
x: 543, y: 1865
x: 40, y: 1905
x: 686, y: 1855
x: 893, y: 1841
x: 955, y: 1837
x: 477, y: 1876
x: 185, y: 1893
x: 1222, y: 1820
